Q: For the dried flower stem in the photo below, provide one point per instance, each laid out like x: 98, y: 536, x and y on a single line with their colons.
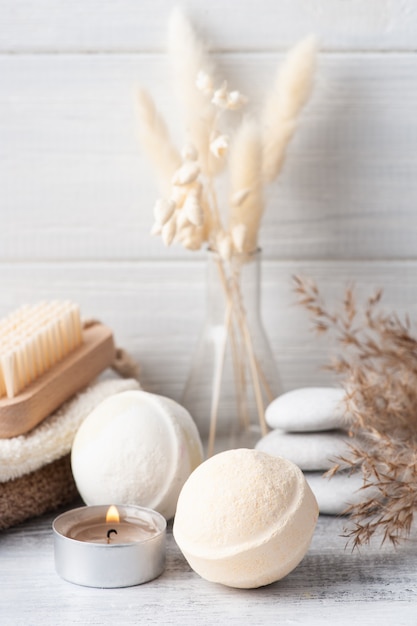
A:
x: 255, y: 378
x: 234, y: 307
x: 218, y: 380
x: 238, y: 360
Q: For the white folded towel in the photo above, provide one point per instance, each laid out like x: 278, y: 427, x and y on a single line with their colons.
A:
x: 53, y: 438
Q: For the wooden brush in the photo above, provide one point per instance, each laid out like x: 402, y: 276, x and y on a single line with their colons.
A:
x: 46, y: 357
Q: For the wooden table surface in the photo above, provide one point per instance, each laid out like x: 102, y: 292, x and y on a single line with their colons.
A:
x: 375, y: 586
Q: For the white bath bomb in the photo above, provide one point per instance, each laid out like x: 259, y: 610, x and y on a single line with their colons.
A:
x: 135, y: 448
x: 245, y: 518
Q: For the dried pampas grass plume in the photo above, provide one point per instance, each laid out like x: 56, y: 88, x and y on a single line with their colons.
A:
x: 283, y: 105
x: 155, y: 140
x: 245, y: 165
x: 189, y: 59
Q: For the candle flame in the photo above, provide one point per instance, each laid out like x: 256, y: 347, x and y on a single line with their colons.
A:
x: 112, y: 514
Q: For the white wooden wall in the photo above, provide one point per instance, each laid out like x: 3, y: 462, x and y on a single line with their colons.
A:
x: 77, y: 195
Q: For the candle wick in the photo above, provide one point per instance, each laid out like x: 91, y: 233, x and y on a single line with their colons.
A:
x: 109, y: 532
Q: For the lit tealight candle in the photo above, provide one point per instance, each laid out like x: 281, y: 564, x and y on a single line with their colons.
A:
x: 112, y: 530
x: 102, y: 546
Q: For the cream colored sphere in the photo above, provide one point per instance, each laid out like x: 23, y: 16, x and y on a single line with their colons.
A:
x: 245, y: 518
x: 135, y: 448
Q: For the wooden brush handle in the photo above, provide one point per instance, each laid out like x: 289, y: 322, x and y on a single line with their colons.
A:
x: 42, y: 397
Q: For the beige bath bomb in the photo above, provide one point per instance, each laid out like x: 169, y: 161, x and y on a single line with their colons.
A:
x: 245, y: 518
x: 135, y: 448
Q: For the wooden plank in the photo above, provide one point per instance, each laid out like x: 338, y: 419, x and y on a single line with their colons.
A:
x: 156, y: 310
x: 128, y: 25
x: 75, y: 184
x: 376, y: 587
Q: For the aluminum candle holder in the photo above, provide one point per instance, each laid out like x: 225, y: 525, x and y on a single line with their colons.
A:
x: 102, y: 546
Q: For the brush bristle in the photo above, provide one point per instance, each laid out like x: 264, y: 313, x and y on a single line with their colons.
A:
x: 33, y: 339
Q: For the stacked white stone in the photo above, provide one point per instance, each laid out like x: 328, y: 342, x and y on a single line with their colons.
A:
x: 310, y: 428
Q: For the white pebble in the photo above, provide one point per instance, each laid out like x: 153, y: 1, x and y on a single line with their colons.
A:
x: 308, y: 409
x: 335, y: 494
x: 311, y: 451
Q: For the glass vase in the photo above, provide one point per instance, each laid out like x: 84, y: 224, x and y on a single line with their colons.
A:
x: 233, y: 375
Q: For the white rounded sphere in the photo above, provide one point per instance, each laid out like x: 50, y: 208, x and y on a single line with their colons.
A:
x: 245, y: 518
x: 135, y: 448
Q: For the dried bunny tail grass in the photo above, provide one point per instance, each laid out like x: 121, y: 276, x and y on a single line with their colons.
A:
x: 291, y: 91
x: 155, y: 140
x: 245, y: 164
x: 189, y: 57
